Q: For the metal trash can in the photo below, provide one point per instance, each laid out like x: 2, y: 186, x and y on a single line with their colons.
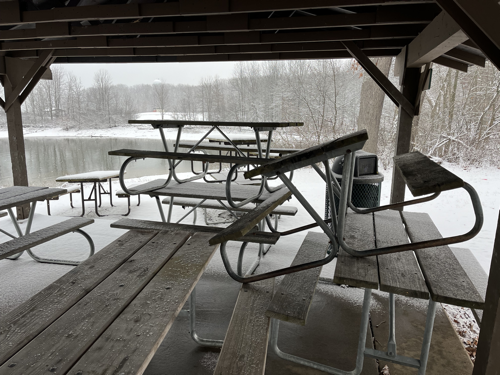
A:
x: 367, y: 181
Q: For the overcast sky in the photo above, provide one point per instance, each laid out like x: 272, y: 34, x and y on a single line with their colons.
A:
x: 133, y: 74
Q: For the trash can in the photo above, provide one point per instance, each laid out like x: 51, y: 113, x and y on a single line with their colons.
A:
x: 367, y: 181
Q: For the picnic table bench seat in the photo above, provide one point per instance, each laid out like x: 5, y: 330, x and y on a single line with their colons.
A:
x: 212, y: 146
x: 69, y: 190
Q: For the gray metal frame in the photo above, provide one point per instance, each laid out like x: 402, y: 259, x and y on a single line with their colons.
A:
x: 390, y: 355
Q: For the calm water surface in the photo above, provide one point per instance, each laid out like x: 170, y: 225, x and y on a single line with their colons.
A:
x: 50, y: 157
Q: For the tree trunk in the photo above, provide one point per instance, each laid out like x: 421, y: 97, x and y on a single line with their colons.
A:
x: 370, y: 108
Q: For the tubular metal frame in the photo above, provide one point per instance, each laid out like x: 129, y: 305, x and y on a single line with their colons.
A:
x: 390, y: 355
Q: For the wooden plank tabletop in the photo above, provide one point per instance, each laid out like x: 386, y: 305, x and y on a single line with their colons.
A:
x: 160, y: 123
x: 95, y: 176
x: 19, y: 195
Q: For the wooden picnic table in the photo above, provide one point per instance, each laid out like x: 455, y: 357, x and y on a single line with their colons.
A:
x: 20, y: 195
x: 176, y: 123
x: 96, y: 178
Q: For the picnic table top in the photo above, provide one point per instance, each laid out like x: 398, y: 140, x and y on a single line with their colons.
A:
x: 165, y: 123
x: 95, y: 176
x: 19, y: 195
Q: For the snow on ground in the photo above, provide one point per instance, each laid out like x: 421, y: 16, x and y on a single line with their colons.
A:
x: 451, y: 212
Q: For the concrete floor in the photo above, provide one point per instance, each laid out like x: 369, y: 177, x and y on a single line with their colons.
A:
x: 329, y: 337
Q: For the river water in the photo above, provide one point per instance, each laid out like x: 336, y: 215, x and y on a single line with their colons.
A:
x: 50, y: 157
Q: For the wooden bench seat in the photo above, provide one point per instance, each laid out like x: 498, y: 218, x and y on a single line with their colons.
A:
x: 189, y: 157
x: 69, y: 190
x: 110, y: 314
x: 215, y: 205
x: 245, y: 345
x: 122, y: 194
x: 252, y: 236
x: 20, y: 244
x: 423, y: 176
x: 3, y: 213
x: 212, y: 146
x: 294, y: 294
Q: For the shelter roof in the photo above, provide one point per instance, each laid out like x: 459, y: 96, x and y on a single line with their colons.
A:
x: 97, y: 31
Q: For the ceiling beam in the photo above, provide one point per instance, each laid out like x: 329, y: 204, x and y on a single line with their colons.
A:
x: 255, y: 37
x: 440, y: 36
x: 480, y: 25
x: 229, y: 57
x: 466, y: 56
x: 227, y: 23
x: 452, y: 63
x: 382, y: 81
x: 10, y: 15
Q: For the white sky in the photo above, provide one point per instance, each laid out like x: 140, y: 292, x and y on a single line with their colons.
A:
x: 133, y: 74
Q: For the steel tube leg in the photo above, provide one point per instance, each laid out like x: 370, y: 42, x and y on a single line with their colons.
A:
x: 391, y: 344
x: 330, y: 370
x: 426, y: 344
x: 192, y: 319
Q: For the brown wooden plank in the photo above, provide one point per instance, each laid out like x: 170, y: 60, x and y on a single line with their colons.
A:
x: 136, y: 334
x: 357, y: 271
x: 160, y: 123
x: 244, y: 148
x: 12, y: 191
x: 211, y: 204
x: 21, y: 325
x: 399, y: 272
x: 248, y: 221
x: 423, y: 176
x: 202, y: 190
x: 446, y: 279
x: 312, y: 155
x: 19, y: 244
x: 3, y: 213
x: 292, y: 300
x: 189, y: 156
x: 31, y: 196
x: 245, y: 346
x: 255, y: 237
x: 59, y: 346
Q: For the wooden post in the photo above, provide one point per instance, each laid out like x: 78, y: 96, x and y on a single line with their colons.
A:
x: 16, y: 145
x: 488, y: 347
x: 410, y: 89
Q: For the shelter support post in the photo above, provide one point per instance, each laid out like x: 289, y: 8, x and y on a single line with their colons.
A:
x: 488, y: 347
x: 410, y: 89
x: 19, y: 78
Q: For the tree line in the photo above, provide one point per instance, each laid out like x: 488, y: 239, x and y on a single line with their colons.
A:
x: 458, y: 122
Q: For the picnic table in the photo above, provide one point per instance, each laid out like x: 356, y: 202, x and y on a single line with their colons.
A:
x: 96, y: 178
x: 20, y: 195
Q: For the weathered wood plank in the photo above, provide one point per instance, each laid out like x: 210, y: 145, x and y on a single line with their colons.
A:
x: 202, y: 190
x: 3, y: 213
x: 159, y: 123
x: 357, y: 271
x: 19, y: 244
x: 59, y: 346
x: 247, y: 222
x: 189, y: 156
x: 292, y: 300
x: 25, y: 322
x: 312, y: 155
x: 18, y: 190
x: 136, y: 334
x: 254, y: 237
x: 446, y: 279
x: 245, y: 346
x: 423, y: 176
x: 476, y: 274
x: 211, y: 204
x: 399, y: 272
x: 245, y: 148
x: 11, y: 200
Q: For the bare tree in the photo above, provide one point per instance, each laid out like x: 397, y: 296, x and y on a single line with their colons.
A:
x: 160, y: 95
